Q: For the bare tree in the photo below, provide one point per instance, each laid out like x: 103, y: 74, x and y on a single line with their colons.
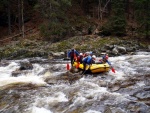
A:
x: 101, y: 9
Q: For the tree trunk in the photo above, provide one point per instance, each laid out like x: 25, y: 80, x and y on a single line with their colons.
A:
x: 109, y: 8
x: 98, y: 9
x: 9, y: 19
x: 102, y: 10
x: 147, y: 19
x: 85, y: 5
x: 19, y: 16
x: 127, y: 8
x: 22, y: 20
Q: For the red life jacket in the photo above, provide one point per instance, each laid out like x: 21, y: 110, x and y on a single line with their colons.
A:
x: 73, y: 54
x: 78, y: 59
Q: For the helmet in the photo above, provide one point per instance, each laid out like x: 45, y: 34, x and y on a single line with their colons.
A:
x: 81, y: 54
x: 72, y: 49
x: 87, y: 53
x: 106, y: 57
x: 94, y: 56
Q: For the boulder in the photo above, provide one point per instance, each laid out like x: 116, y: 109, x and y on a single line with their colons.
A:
x: 115, y: 51
x: 26, y: 66
x: 121, y: 49
x: 57, y: 54
x: 118, y: 50
x: 149, y: 47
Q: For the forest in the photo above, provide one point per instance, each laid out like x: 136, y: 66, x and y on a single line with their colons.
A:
x: 40, y: 73
x: 59, y: 19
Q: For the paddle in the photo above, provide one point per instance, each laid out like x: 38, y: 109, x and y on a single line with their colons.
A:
x: 68, y: 67
x: 113, y: 70
x: 87, y: 68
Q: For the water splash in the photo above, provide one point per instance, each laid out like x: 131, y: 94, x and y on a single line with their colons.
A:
x: 91, y: 93
x: 40, y: 110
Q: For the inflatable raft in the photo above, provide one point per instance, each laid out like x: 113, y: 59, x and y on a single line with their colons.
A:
x: 94, y: 68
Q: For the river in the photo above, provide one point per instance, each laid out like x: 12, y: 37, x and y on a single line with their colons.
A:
x: 46, y: 89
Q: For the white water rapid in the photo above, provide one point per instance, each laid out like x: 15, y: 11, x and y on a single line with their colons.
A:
x: 43, y: 90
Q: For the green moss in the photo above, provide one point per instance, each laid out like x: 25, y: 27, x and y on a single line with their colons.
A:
x: 3, y: 104
x: 144, y: 45
x: 82, y: 47
x: 63, y: 45
x: 29, y: 48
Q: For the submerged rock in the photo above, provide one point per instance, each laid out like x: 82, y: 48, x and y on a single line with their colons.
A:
x: 25, y: 66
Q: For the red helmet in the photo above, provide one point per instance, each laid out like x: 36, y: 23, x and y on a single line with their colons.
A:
x: 106, y: 57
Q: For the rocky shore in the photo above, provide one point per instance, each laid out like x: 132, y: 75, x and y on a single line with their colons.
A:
x: 114, y: 46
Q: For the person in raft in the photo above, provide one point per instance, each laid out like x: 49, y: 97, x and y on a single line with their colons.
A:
x: 87, y: 53
x: 87, y: 61
x: 72, y: 54
x: 104, y: 60
x: 79, y: 58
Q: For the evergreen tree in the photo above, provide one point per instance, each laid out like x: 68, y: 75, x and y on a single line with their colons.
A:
x: 116, y: 24
x: 55, y: 13
x: 5, y: 9
x: 142, y: 15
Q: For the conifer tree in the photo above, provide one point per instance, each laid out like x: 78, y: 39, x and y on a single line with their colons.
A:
x: 142, y: 15
x: 116, y: 24
x: 54, y: 11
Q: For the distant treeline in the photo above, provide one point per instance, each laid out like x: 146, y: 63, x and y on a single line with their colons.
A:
x: 62, y: 18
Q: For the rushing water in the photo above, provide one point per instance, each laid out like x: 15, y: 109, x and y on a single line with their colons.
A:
x: 45, y: 89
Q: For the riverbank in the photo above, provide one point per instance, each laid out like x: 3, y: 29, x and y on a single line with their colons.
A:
x: 32, y: 47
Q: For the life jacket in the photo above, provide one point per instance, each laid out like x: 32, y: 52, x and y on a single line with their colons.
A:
x: 103, y: 61
x: 79, y: 59
x: 87, y: 60
x: 85, y: 55
x: 72, y: 53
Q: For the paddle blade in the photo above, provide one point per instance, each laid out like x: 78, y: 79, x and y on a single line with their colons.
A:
x: 68, y: 67
x: 113, y: 70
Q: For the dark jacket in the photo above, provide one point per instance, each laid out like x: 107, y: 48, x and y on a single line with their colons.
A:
x: 73, y: 53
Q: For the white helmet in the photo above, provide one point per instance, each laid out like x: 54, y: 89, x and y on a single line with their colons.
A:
x: 81, y: 54
x: 87, y: 53
x: 93, y: 56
